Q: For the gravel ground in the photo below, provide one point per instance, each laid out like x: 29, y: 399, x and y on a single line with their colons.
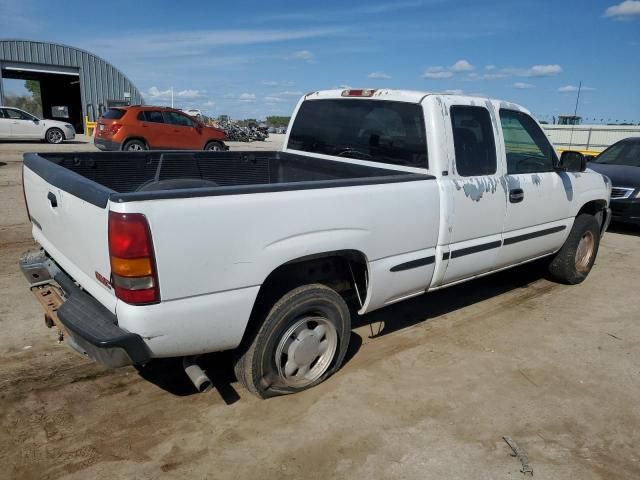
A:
x: 430, y: 386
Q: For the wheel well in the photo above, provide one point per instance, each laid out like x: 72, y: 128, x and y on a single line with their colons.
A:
x: 344, y: 271
x: 213, y: 140
x: 595, y: 208
x: 126, y: 140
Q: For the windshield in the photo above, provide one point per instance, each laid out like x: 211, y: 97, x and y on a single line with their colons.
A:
x: 377, y: 130
x: 621, y: 153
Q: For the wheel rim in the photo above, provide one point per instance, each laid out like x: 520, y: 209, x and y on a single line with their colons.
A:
x: 306, y: 350
x: 135, y: 147
x: 214, y: 148
x: 584, y: 252
x: 55, y: 136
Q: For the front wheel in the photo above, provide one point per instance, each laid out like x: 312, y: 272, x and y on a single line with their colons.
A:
x: 574, y: 260
x: 54, y: 135
x: 301, y: 342
x: 213, y: 147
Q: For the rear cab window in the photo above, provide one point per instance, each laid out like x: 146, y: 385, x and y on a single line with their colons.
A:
x: 377, y: 130
x: 114, y: 114
x: 473, y: 140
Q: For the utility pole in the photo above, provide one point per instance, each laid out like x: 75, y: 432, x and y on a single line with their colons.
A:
x: 575, y: 113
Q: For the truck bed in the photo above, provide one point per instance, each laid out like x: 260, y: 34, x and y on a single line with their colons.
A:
x: 133, y: 176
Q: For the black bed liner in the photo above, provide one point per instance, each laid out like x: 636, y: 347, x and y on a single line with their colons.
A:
x: 102, y: 176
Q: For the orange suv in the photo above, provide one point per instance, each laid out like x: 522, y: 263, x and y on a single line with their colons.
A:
x: 154, y: 128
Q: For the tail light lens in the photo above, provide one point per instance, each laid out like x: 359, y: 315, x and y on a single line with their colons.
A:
x: 363, y: 92
x: 133, y: 267
x: 115, y: 127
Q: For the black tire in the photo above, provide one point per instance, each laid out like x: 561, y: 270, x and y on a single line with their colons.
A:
x: 256, y: 363
x: 134, y: 146
x: 214, y: 147
x: 54, y: 135
x: 569, y: 265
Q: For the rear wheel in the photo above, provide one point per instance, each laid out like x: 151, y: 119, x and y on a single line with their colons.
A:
x: 54, y: 135
x: 574, y: 260
x: 213, y: 147
x: 301, y: 342
x: 134, y: 146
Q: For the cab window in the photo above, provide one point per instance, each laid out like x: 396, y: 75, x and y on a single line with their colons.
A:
x: 527, y: 148
x: 177, y: 119
x: 16, y: 114
x: 473, y: 141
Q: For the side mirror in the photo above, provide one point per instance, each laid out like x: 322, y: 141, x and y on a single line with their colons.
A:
x: 572, y: 161
x: 36, y: 121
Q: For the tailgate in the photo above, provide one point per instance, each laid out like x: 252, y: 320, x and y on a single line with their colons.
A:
x: 73, y: 230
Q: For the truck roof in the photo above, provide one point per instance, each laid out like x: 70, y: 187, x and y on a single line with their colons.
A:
x: 412, y: 96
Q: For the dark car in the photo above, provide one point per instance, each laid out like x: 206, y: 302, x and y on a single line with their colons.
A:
x: 621, y: 163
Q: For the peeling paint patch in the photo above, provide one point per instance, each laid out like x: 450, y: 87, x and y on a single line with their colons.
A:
x: 513, y: 182
x: 476, y: 188
x: 536, y: 179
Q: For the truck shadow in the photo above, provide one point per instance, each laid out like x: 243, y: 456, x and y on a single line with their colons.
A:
x: 169, y: 375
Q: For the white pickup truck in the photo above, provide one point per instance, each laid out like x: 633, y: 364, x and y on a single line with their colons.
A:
x: 376, y: 197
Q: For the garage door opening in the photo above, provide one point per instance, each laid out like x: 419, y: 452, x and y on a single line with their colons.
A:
x: 45, y: 94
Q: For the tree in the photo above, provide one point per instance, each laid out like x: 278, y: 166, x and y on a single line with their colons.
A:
x: 31, y: 103
x: 276, y: 121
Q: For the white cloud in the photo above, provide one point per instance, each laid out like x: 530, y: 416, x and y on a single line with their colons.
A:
x: 196, y: 42
x: 389, y: 7
x: 302, y: 55
x: 454, y: 91
x: 573, y: 88
x: 543, y: 70
x: 209, y: 104
x: 273, y: 99
x: 437, y: 72
x: 490, y: 67
x: 522, y: 85
x: 157, y: 94
x: 461, y: 66
x: 275, y: 83
x: 379, y: 76
x: 624, y: 10
x: 289, y: 93
x: 247, y: 97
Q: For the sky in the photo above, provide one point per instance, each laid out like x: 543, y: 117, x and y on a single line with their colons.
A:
x: 250, y: 59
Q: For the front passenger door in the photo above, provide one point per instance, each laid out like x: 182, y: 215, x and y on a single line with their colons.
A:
x: 539, y: 198
x: 184, y: 134
x: 24, y: 126
x: 5, y: 125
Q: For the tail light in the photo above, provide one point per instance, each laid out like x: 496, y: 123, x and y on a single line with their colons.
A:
x: 115, y: 127
x: 133, y: 266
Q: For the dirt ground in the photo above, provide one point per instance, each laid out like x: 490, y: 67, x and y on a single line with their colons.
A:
x: 429, y: 388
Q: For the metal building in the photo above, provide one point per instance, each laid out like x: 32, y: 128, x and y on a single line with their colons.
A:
x: 74, y: 83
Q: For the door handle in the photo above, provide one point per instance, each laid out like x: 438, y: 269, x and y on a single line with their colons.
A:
x: 516, y: 195
x: 52, y: 200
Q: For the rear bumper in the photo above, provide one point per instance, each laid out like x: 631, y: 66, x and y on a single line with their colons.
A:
x: 91, y: 329
x: 106, y: 145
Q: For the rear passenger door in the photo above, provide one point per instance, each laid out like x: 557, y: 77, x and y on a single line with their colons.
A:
x: 477, y: 201
x: 539, y: 197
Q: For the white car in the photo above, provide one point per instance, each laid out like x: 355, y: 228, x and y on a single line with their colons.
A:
x: 377, y: 196
x: 16, y: 124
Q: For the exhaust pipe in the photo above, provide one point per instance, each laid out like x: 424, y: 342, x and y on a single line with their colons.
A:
x: 197, y: 376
